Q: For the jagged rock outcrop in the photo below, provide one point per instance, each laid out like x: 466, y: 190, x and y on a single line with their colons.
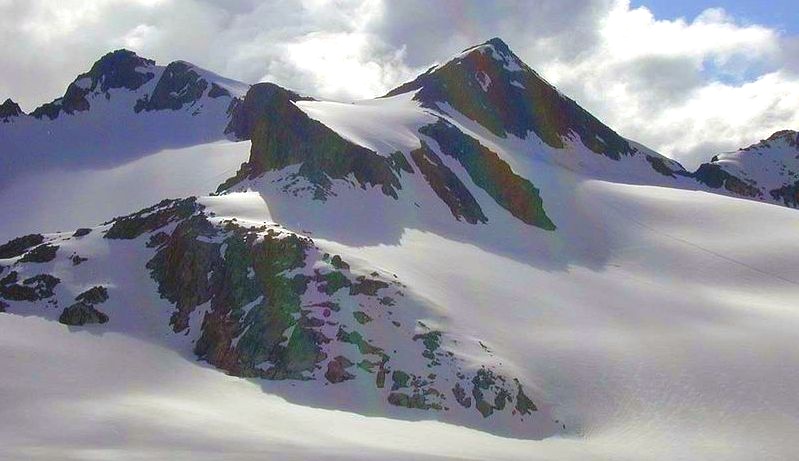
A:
x: 767, y: 170
x: 262, y: 301
x: 180, y: 85
x: 10, y: 110
x: 84, y: 312
x: 490, y: 173
x: 118, y: 69
x: 283, y: 135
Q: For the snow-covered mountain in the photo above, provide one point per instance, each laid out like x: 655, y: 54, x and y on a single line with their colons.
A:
x: 123, y: 108
x: 768, y: 170
x: 473, y: 248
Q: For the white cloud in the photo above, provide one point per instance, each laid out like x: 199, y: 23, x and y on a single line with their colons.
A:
x: 664, y: 82
x: 686, y: 87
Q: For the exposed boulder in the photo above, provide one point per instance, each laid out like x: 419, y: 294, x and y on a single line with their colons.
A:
x: 337, y: 370
x: 80, y: 314
x: 94, y: 295
x: 83, y: 231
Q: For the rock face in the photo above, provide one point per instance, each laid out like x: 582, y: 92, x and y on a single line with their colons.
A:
x: 492, y: 174
x: 283, y: 135
x: 492, y: 86
x: 180, y: 85
x: 31, y: 289
x: 80, y: 314
x: 9, y: 110
x: 20, y: 245
x: 768, y: 170
x: 262, y: 301
x: 118, y: 69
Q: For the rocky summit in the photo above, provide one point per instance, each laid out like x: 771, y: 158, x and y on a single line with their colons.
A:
x: 471, y: 253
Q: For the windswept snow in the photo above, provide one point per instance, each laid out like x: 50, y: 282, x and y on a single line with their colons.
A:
x: 676, y: 341
x: 385, y: 125
x: 55, y: 199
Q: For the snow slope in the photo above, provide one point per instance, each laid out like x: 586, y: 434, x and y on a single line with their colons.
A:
x: 650, y: 322
x: 44, y: 201
x: 114, y: 114
x: 766, y: 171
x: 679, y: 345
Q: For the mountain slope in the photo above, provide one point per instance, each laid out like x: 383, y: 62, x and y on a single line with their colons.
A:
x: 511, y: 265
x: 767, y: 171
x: 125, y: 107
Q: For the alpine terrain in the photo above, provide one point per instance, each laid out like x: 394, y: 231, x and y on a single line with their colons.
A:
x: 471, y: 266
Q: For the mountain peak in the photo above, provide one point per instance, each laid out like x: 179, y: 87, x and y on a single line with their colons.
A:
x: 117, y: 69
x: 10, y: 108
x: 497, y: 50
x: 790, y: 137
x: 490, y: 85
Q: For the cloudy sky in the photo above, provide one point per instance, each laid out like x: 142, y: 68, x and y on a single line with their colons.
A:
x: 687, y: 78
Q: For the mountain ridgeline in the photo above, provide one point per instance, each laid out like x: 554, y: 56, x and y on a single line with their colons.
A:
x: 177, y: 86
x: 489, y: 84
x: 472, y: 153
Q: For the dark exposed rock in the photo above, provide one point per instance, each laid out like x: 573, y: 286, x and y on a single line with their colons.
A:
x: 431, y: 341
x: 483, y: 381
x: 400, y: 380
x: 366, y: 286
x: 493, y: 87
x: 789, y: 195
x: 460, y: 396
x: 82, y: 232
x: 9, y: 278
x: 492, y: 174
x: 180, y: 85
x: 76, y: 259
x: 40, y: 254
x: 355, y: 338
x: 94, y: 295
x: 283, y: 135
x: 362, y: 317
x: 82, y: 313
x: 152, y: 218
x: 331, y: 282
x: 714, y: 176
x: 524, y: 405
x: 118, y: 69
x: 660, y: 166
x: 32, y: 289
x: 9, y: 109
x: 43, y: 284
x: 416, y: 401
x: 246, y: 115
x: 339, y: 264
x: 217, y: 91
x: 337, y: 370
x: 157, y: 239
x: 20, y: 245
x: 447, y: 186
x: 3, y: 306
